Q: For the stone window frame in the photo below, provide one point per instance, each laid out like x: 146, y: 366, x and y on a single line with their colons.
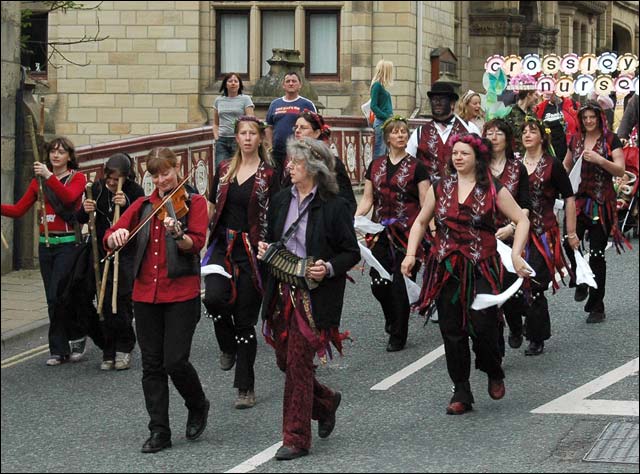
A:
x: 307, y: 40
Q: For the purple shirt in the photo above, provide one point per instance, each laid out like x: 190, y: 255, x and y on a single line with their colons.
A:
x: 297, y: 243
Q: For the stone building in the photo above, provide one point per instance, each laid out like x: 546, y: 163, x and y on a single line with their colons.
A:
x: 159, y: 68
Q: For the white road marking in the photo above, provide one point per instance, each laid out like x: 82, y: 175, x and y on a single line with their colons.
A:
x: 410, y: 369
x: 250, y: 464
x: 576, y: 403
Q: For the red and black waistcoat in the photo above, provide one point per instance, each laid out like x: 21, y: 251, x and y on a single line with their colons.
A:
x: 396, y: 198
x: 258, y: 203
x: 543, y: 196
x: 432, y: 152
x: 596, y: 182
x: 510, y: 179
x: 466, y: 228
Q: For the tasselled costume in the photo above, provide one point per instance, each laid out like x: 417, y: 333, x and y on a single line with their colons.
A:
x: 464, y: 244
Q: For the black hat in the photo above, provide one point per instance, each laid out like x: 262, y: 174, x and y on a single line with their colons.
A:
x: 119, y: 162
x: 442, y: 88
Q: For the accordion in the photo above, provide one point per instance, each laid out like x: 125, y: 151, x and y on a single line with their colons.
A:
x: 288, y: 267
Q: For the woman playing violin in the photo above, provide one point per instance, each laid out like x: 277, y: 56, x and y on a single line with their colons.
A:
x: 166, y: 295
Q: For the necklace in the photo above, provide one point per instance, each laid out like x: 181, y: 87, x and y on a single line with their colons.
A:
x: 532, y: 162
x: 62, y: 175
x: 497, y: 169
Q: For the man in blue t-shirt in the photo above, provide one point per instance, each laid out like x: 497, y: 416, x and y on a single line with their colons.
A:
x: 282, y: 116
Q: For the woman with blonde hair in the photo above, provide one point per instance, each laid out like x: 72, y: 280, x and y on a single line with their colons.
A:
x: 241, y: 195
x: 470, y: 110
x: 381, y: 103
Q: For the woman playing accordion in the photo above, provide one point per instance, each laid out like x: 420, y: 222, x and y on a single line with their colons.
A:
x: 308, y: 219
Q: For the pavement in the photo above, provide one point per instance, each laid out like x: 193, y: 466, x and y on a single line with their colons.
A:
x: 24, y: 305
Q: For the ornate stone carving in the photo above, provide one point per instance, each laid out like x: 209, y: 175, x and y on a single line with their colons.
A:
x: 496, y: 24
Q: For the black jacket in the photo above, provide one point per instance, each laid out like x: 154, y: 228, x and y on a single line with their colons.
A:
x: 105, y: 209
x: 330, y: 237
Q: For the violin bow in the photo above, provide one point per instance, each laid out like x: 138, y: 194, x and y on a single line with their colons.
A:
x: 138, y: 228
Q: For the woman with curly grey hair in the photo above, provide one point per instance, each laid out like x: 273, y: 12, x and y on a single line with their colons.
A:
x: 307, y: 221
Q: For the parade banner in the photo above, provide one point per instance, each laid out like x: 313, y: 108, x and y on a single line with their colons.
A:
x: 571, y: 74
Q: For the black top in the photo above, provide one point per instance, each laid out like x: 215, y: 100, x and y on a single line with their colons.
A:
x: 554, y: 119
x: 560, y: 180
x: 235, y: 214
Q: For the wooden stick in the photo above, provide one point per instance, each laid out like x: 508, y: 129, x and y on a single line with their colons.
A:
x: 116, y: 261
x: 5, y: 244
x: 103, y: 286
x: 94, y: 247
x: 31, y: 131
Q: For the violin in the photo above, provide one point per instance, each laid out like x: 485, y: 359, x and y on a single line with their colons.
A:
x: 179, y: 203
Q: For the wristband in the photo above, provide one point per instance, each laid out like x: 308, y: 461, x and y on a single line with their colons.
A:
x: 407, y: 255
x: 181, y: 236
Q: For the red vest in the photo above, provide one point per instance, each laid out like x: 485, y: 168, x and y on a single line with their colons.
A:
x: 464, y: 228
x: 432, y: 152
x: 396, y: 198
x: 510, y: 178
x: 543, y: 196
x: 596, y: 183
x: 258, y: 203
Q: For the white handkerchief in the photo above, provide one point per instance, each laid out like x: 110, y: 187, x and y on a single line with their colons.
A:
x: 413, y: 289
x: 505, y: 255
x: 367, y: 226
x: 575, y: 175
x: 584, y: 274
x: 210, y: 269
x: 373, y: 262
x: 483, y: 300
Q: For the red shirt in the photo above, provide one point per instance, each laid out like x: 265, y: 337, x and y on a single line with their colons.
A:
x: 152, y: 284
x: 69, y: 193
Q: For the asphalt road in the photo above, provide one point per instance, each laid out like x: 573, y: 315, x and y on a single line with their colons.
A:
x: 75, y: 418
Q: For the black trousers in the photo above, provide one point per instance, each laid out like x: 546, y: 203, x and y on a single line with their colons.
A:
x: 165, y: 332
x: 392, y: 295
x: 598, y: 238
x: 117, y: 328
x: 234, y: 324
x: 536, y: 311
x: 484, y: 337
x: 55, y: 262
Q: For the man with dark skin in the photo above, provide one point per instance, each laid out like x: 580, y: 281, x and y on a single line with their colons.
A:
x: 428, y: 143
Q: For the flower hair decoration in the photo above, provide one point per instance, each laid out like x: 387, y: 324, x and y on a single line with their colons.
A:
x: 249, y: 118
x: 522, y: 82
x: 473, y: 140
x: 395, y: 118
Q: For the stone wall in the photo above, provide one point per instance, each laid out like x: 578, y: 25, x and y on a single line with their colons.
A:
x: 143, y: 79
x: 10, y: 82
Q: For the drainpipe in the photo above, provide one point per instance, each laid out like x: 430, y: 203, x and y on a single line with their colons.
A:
x: 419, y: 56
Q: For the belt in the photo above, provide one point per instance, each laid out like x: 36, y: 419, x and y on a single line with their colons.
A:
x: 62, y: 239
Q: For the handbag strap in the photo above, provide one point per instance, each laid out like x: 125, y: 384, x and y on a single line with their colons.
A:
x: 291, y: 230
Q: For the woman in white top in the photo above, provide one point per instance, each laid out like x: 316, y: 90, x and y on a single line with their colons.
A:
x: 227, y: 108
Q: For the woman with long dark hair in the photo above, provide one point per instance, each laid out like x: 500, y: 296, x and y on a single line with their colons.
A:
x: 463, y: 262
x: 63, y: 187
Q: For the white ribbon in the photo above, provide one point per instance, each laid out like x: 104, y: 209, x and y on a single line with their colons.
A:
x: 373, y: 262
x: 485, y: 300
x: 584, y: 274
x: 213, y: 269
x: 367, y: 226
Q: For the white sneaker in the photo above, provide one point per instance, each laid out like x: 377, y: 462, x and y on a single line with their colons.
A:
x: 78, y: 348
x: 107, y: 365
x: 123, y: 360
x: 56, y: 360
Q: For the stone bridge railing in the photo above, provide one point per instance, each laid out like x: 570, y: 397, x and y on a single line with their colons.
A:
x: 350, y: 137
